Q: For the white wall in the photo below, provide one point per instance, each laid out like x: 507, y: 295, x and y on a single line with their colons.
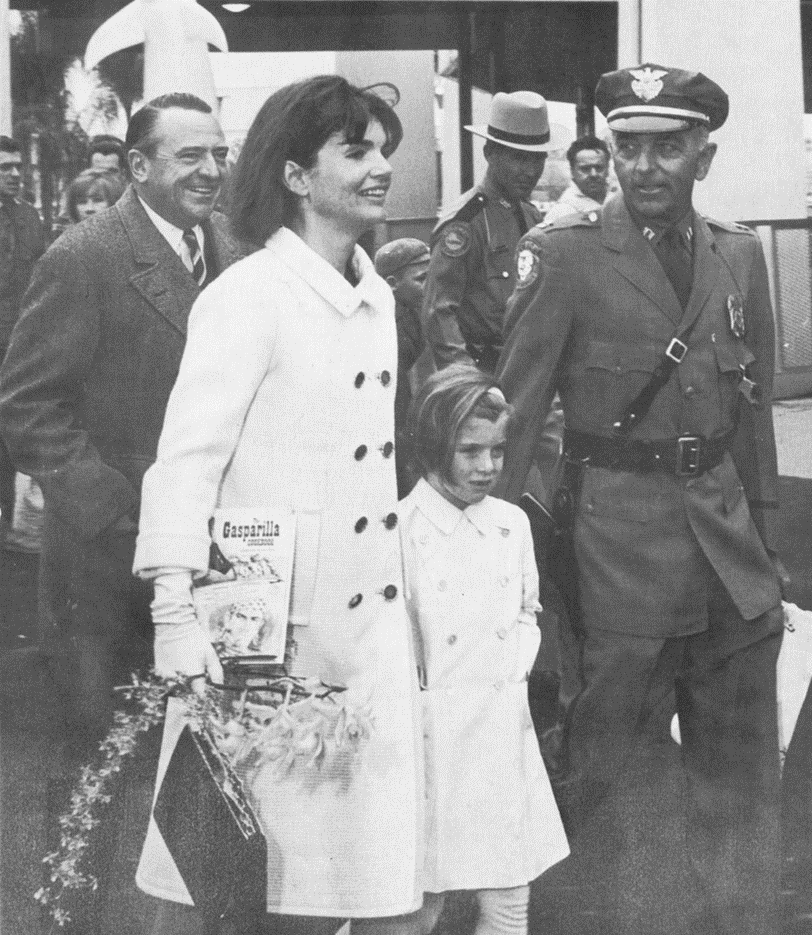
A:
x: 752, y: 48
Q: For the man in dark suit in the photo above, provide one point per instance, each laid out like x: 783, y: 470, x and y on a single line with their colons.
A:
x: 84, y: 387
x: 22, y: 243
x: 654, y: 325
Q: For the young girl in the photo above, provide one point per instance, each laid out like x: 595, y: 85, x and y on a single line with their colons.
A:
x: 472, y: 594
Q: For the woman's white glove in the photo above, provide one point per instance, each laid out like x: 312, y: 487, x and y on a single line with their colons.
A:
x: 181, y: 645
x: 528, y: 640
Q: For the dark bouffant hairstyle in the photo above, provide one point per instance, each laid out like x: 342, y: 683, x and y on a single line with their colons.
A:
x: 293, y: 124
x: 438, y: 411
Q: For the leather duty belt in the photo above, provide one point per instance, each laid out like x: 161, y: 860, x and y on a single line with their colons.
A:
x: 686, y: 456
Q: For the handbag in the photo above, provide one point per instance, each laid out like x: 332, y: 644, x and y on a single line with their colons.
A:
x: 210, y: 829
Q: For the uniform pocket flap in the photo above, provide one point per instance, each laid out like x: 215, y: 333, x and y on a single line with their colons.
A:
x: 732, y: 358
x: 621, y: 358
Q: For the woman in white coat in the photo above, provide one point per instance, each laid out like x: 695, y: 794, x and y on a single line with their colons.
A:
x: 285, y: 397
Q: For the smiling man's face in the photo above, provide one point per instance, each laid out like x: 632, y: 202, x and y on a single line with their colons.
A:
x: 181, y: 176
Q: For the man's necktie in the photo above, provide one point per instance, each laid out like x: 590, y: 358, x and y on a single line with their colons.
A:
x: 519, y: 214
x: 676, y: 258
x: 198, y: 269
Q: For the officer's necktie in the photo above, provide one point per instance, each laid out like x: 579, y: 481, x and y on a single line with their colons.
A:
x: 517, y: 210
x: 675, y: 255
x: 198, y: 269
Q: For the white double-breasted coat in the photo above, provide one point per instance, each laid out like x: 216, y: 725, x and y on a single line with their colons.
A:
x: 472, y: 594
x: 285, y: 398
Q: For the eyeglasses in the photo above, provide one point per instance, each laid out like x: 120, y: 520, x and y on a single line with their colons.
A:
x: 10, y: 167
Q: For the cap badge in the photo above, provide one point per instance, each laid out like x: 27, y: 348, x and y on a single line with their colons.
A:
x: 647, y: 84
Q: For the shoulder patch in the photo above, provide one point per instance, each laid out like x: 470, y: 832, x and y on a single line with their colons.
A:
x: 527, y: 264
x: 456, y: 239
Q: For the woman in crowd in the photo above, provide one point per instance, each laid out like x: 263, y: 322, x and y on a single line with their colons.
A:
x: 91, y: 192
x: 285, y: 401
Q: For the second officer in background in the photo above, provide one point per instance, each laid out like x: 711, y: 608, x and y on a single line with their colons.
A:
x: 471, y: 275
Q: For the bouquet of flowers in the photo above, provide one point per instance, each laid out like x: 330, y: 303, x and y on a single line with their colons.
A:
x: 290, y: 721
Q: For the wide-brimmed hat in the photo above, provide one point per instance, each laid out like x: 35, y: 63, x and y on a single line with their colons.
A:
x: 519, y: 120
x: 657, y: 99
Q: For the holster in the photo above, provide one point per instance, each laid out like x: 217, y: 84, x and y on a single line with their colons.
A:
x: 551, y: 694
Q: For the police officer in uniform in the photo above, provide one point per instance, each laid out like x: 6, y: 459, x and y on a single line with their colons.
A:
x: 654, y: 324
x: 471, y: 272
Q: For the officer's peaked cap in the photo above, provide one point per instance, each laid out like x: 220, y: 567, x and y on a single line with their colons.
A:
x: 657, y: 99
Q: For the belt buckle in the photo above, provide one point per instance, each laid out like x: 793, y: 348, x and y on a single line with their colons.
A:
x: 676, y: 350
x: 689, y: 453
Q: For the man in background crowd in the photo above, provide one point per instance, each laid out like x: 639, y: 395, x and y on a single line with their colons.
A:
x: 22, y: 242
x: 471, y: 275
x: 107, y: 154
x: 404, y: 264
x: 84, y: 386
x: 588, y: 157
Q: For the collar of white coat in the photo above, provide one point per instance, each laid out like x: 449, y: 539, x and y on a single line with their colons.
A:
x: 326, y: 280
x: 447, y: 517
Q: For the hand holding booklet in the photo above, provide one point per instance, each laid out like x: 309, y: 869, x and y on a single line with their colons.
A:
x: 243, y: 602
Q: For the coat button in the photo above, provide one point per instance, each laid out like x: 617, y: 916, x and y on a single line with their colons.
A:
x: 423, y: 540
x: 387, y: 448
x: 505, y: 533
x: 385, y: 377
x: 360, y: 452
x: 355, y: 600
x: 361, y: 524
x: 391, y: 520
x: 390, y: 592
x: 442, y: 585
x: 502, y: 633
x: 505, y: 274
x: 359, y: 380
x: 452, y: 639
x: 504, y: 581
x: 689, y: 391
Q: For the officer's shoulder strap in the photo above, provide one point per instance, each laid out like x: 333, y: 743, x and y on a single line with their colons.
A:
x: 730, y: 226
x: 465, y: 209
x: 578, y: 219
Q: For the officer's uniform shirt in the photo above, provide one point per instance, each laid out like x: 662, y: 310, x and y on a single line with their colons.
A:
x: 472, y: 273
x: 591, y: 317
